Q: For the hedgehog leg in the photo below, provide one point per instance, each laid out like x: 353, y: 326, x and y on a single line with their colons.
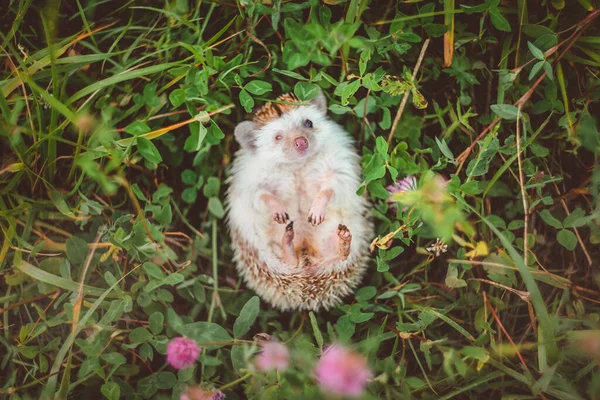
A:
x: 344, y: 241
x: 287, y: 243
x: 316, y: 214
x: 280, y: 214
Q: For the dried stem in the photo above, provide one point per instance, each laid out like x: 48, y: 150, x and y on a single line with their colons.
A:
x: 522, y: 186
x: 407, y: 93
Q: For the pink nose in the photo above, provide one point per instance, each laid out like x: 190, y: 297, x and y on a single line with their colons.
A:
x: 301, y: 143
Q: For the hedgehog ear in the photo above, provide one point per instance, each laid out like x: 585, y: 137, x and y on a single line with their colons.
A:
x: 244, y: 134
x: 320, y: 102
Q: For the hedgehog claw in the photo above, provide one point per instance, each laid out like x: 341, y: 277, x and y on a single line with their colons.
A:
x: 281, y: 217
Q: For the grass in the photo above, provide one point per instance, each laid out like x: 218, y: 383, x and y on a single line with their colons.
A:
x: 116, y: 135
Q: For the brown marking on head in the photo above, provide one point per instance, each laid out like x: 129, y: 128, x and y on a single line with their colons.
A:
x: 271, y: 111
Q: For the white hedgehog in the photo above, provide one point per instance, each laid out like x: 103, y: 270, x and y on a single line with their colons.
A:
x: 300, y: 233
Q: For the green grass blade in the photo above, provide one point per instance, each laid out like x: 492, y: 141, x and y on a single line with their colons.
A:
x: 122, y: 77
x: 546, y: 339
x: 58, y: 281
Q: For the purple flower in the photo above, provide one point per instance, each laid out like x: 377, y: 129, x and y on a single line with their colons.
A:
x: 403, y: 185
x: 182, y: 352
x: 406, y: 184
x: 218, y: 395
x: 275, y: 355
x: 342, y: 372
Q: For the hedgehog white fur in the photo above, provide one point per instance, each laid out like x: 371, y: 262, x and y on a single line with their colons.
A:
x: 300, y: 233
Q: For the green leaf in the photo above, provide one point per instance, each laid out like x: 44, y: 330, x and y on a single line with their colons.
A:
x: 550, y: 220
x: 140, y: 335
x: 291, y: 74
x: 535, y: 69
x: 339, y: 109
x: 174, y: 279
x: 189, y: 177
x: 206, y: 334
x: 216, y: 207
x: 137, y: 128
x: 306, y: 90
x: 360, y: 317
x: 345, y: 328
x: 166, y: 380
x: 177, y: 97
x: 349, y: 91
x: 77, y: 250
x: 153, y: 270
x: 258, y: 88
x: 567, y: 238
x: 316, y: 330
x: 148, y: 150
x: 443, y: 146
x: 189, y: 195
x: 575, y: 219
x: 471, y: 187
x: 196, y: 138
x: 481, y: 165
x: 505, y: 111
x: 155, y: 322
x: 248, y: 315
x: 29, y: 352
x: 114, y: 358
x: 498, y: 20
x: 246, y: 101
x: 548, y: 70
x: 545, y: 380
x: 111, y: 390
x: 377, y: 190
x: 365, y: 56
x: 212, y: 186
x: 475, y: 352
x: 537, y: 53
x: 366, y: 293
x: 381, y: 145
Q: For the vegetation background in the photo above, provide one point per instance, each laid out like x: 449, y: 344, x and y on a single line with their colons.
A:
x: 116, y: 134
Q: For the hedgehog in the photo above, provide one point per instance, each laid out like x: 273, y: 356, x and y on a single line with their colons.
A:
x: 299, y: 231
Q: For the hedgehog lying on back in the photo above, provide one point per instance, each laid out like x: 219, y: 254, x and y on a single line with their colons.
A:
x: 299, y: 231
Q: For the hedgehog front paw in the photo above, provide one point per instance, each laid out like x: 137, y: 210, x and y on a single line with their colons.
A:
x: 316, y: 215
x: 280, y: 216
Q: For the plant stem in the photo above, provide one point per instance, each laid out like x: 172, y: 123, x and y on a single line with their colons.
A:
x: 407, y: 93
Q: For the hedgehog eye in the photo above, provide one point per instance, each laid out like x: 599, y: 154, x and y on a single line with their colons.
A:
x: 278, y: 137
x: 308, y: 123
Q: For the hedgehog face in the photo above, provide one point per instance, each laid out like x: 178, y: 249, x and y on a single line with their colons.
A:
x: 289, y: 135
x: 291, y: 138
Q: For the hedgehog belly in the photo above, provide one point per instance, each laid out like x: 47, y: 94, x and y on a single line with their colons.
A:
x: 300, y: 290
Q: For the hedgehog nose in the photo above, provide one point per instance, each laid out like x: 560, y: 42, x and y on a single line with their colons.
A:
x: 301, y: 143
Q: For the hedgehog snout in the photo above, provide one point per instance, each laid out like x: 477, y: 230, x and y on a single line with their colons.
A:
x: 301, y: 144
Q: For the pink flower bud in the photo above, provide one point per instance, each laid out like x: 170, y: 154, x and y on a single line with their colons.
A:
x: 182, y: 352
x: 342, y: 372
x: 275, y: 355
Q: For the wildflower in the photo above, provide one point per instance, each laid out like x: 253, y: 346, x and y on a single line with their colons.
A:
x: 198, y: 393
x: 403, y: 185
x: 438, y: 247
x: 342, y: 372
x: 406, y: 184
x: 275, y: 355
x: 182, y: 352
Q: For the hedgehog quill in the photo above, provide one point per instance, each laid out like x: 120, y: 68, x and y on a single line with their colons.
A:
x: 300, y: 233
